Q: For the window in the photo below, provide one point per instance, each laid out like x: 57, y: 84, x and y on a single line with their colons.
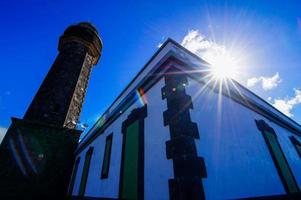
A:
x: 107, y: 157
x: 278, y: 157
x: 73, y: 176
x: 83, y: 182
x: 296, y: 144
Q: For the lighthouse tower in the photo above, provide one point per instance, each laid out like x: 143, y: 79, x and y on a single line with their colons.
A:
x: 36, y: 154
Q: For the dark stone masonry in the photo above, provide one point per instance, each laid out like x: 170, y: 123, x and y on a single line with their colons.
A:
x: 37, y: 153
x: 189, y: 168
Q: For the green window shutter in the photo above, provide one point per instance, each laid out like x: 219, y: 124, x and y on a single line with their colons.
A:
x: 85, y: 173
x: 296, y: 144
x: 74, y: 172
x: 129, y: 188
x: 107, y: 157
x: 278, y: 157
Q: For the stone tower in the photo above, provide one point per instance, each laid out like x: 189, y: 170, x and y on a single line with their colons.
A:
x: 61, y: 95
x: 37, y: 152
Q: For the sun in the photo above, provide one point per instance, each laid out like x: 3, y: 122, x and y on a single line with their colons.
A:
x: 223, y: 66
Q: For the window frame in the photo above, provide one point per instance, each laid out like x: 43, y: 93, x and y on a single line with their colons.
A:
x: 107, y: 155
x: 137, y: 116
x: 296, y: 143
x: 85, y: 172
x: 290, y: 186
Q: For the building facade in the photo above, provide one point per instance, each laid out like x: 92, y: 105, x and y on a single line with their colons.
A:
x: 174, y: 134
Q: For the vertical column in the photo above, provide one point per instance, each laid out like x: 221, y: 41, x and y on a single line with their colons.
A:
x: 189, y: 168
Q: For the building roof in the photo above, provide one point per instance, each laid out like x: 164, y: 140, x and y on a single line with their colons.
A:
x: 172, y: 49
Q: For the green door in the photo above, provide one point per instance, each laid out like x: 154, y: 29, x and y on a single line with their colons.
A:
x: 129, y: 171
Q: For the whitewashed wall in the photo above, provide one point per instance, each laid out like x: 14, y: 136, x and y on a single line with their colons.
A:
x: 236, y: 156
x: 157, y: 168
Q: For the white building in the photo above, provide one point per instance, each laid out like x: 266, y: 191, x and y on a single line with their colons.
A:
x: 173, y: 134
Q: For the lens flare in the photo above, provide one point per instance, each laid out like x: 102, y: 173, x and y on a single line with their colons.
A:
x: 17, y: 156
x: 141, y: 96
x: 223, y: 66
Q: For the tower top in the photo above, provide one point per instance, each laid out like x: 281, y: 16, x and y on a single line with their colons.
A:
x: 88, y: 25
x: 59, y: 100
x: 83, y: 33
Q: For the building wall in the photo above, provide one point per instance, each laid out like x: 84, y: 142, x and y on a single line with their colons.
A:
x: 157, y: 168
x: 237, y: 159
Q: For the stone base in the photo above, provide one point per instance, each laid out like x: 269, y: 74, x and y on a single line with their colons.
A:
x: 36, y: 161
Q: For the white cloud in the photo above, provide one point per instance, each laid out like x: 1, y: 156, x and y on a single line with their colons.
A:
x: 224, y: 62
x: 270, y: 82
x: 252, y: 81
x: 197, y: 43
x: 2, y: 133
x: 159, y: 45
x: 267, y: 83
x: 287, y: 105
x: 211, y: 51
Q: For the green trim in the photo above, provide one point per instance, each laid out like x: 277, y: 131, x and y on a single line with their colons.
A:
x: 280, y: 161
x: 278, y: 157
x: 107, y: 157
x: 85, y: 173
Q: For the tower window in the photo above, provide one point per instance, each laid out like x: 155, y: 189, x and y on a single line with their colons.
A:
x: 107, y: 157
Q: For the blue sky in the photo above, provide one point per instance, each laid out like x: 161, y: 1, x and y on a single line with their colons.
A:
x: 264, y: 37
